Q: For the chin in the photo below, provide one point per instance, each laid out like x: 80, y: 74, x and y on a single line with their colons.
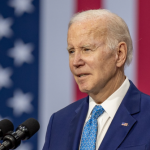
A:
x: 84, y: 89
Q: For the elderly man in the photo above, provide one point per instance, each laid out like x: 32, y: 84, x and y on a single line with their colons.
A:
x: 115, y: 115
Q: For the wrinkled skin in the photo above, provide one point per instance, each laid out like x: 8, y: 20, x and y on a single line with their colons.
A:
x: 97, y: 70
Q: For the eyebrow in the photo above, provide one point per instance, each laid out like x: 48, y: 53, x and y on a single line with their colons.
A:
x: 69, y: 48
x: 85, y: 46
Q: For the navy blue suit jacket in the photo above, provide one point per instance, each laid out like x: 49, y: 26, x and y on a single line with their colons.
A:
x: 65, y: 126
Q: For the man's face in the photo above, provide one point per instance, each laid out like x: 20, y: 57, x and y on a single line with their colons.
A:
x: 91, y: 62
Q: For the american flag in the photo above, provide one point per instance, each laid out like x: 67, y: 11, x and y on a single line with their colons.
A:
x: 35, y: 80
x: 19, y: 29
x: 124, y: 124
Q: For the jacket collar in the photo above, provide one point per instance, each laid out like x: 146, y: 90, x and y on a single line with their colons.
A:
x: 77, y: 123
x: 118, y: 132
x: 132, y: 99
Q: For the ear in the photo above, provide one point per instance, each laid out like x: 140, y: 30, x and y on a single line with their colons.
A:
x: 121, y: 54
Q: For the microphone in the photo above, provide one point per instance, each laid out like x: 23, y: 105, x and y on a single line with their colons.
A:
x: 24, y: 131
x: 5, y: 126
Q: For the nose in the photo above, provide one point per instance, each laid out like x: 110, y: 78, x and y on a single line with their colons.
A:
x: 78, y: 60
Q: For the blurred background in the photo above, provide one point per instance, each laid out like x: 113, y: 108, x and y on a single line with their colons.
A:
x: 35, y: 80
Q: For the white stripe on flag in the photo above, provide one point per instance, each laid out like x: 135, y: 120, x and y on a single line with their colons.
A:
x: 55, y: 88
x: 126, y: 9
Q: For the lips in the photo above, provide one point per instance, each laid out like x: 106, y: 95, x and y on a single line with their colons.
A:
x: 82, y: 75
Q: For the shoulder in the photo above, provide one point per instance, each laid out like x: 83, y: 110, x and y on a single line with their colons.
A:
x: 144, y: 104
x: 63, y: 117
x: 145, y: 100
x: 145, y: 96
x: 133, y: 90
x: 72, y: 107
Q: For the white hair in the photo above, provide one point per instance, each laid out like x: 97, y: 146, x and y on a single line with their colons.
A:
x: 117, y: 29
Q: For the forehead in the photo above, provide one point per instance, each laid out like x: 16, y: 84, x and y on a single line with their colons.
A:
x: 93, y: 28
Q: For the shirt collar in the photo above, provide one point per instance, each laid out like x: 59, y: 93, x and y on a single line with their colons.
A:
x: 112, y: 103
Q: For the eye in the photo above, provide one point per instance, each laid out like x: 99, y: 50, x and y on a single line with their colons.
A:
x: 71, y: 51
x: 86, y: 49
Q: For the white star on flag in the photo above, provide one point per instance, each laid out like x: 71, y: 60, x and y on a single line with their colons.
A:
x: 21, y: 6
x: 5, y: 80
x: 20, y: 103
x: 21, y: 53
x: 25, y: 146
x: 5, y: 30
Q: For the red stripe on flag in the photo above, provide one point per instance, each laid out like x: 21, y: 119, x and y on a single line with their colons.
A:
x: 82, y: 5
x: 143, y: 76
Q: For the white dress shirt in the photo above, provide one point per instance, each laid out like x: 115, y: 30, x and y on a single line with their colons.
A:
x: 110, y: 105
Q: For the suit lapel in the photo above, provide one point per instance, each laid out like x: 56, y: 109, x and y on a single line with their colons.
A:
x: 76, y: 125
x: 117, y: 132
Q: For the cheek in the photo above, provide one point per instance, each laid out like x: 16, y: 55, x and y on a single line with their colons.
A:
x: 98, y: 63
x: 70, y: 62
x: 92, y: 62
x: 110, y: 67
x: 105, y: 64
x: 70, y: 68
x: 70, y: 65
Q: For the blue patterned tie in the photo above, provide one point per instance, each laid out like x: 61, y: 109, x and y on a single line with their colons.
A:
x: 89, y: 134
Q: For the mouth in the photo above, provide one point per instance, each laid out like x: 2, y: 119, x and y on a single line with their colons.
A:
x: 82, y: 75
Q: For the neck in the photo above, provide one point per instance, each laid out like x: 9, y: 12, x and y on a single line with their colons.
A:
x: 110, y: 87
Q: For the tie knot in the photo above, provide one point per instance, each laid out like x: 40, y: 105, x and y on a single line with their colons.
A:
x: 97, y: 111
